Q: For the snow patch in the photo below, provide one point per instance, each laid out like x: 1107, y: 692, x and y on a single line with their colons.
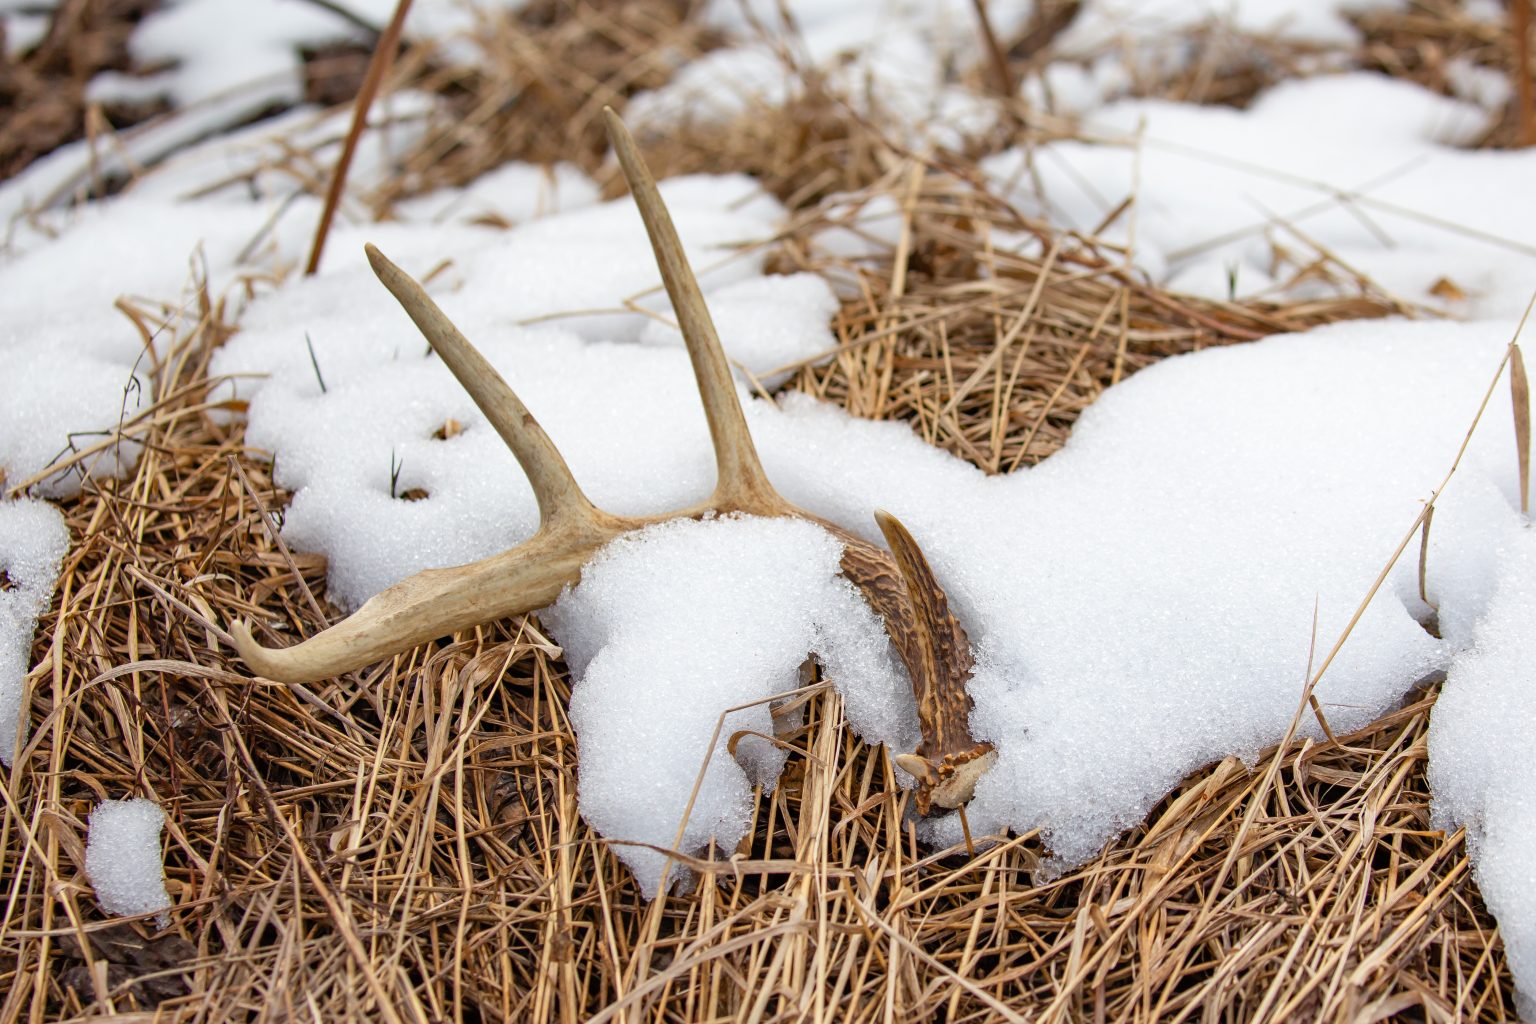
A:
x: 122, y: 857
x: 33, y: 540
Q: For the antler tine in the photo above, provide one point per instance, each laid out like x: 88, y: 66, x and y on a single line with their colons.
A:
x: 436, y: 602
x: 742, y: 483
x: 555, y: 488
x: 937, y: 654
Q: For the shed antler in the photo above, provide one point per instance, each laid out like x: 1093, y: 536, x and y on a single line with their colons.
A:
x: 899, y: 585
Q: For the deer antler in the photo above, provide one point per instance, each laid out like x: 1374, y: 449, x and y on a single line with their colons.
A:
x: 901, y: 589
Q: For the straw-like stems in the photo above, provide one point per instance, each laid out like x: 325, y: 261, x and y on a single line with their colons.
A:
x: 378, y: 68
x: 997, y: 57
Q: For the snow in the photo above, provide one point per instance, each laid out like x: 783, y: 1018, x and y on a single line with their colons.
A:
x: 551, y: 314
x: 1480, y: 768
x: 771, y: 322
x: 894, y: 60
x: 1105, y: 22
x: 1351, y: 165
x: 211, y: 216
x: 23, y: 32
x: 85, y: 364
x: 763, y: 593
x: 122, y: 857
x: 237, y: 58
x: 1116, y: 670
x: 509, y: 195
x: 33, y: 540
x: 1117, y: 667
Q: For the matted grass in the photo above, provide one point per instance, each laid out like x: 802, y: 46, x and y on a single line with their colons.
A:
x: 403, y: 842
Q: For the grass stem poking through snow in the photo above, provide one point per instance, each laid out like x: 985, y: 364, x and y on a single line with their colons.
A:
x: 1429, y: 517
x: 319, y: 377
x: 1520, y: 399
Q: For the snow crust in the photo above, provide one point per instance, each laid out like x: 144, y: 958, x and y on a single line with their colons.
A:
x: 33, y: 540
x: 122, y: 857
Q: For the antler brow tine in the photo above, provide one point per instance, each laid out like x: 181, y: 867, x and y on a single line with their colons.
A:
x: 742, y: 484
x: 553, y: 485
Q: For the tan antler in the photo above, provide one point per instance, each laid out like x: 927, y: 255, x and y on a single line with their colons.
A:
x: 901, y: 589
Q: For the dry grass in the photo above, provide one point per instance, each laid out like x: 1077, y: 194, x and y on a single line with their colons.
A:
x: 403, y: 842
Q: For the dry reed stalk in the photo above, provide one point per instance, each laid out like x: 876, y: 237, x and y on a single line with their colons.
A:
x: 1525, y: 88
x: 378, y: 68
x: 408, y: 835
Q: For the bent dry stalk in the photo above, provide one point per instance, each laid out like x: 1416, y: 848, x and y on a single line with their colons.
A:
x: 898, y: 584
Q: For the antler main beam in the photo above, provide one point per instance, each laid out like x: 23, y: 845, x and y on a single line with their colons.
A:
x: 899, y: 585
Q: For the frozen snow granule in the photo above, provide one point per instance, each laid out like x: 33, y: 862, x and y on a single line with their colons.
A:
x: 122, y: 857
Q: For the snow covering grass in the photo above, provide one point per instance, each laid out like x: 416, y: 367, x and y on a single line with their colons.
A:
x: 1319, y: 184
x: 1148, y: 601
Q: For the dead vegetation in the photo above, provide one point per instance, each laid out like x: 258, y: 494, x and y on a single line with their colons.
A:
x: 403, y: 842
x: 42, y: 91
